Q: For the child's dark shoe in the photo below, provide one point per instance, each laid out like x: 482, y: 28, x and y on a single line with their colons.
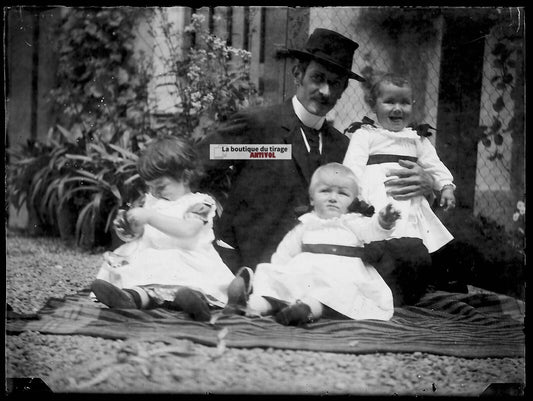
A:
x: 238, y: 292
x: 112, y: 296
x: 193, y: 303
x: 294, y: 315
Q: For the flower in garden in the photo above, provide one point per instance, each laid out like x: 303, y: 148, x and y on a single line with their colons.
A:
x: 521, y: 206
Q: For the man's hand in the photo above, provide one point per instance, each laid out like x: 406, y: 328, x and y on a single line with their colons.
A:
x: 409, y: 182
x: 388, y: 216
x: 447, y: 198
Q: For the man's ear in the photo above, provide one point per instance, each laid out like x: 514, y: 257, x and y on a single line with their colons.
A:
x: 297, y: 74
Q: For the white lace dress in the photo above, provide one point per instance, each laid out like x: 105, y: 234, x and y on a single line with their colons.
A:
x: 160, y: 263
x: 417, y: 220
x: 343, y: 283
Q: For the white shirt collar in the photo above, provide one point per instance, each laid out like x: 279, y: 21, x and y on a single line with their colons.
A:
x: 308, y: 119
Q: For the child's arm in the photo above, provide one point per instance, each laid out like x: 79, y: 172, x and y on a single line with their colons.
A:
x: 173, y: 226
x: 358, y: 150
x: 289, y: 247
x: 387, y: 217
x: 375, y: 228
x: 447, y: 197
x: 430, y: 161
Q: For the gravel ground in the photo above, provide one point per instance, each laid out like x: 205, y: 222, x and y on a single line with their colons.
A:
x: 39, y: 268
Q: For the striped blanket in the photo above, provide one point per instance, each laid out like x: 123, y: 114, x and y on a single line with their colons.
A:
x: 462, y: 325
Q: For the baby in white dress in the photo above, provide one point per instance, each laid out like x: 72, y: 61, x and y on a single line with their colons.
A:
x: 375, y: 150
x: 317, y: 267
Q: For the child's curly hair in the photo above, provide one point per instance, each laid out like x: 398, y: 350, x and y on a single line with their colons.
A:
x: 170, y: 156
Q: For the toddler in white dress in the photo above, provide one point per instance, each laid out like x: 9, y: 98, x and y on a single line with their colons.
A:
x: 168, y: 257
x: 317, y: 267
x: 376, y: 148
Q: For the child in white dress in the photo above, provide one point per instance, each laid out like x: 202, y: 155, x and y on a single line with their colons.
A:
x: 374, y: 152
x: 318, y: 266
x: 168, y: 258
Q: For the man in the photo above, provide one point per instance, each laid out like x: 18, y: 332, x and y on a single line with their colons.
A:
x: 267, y: 196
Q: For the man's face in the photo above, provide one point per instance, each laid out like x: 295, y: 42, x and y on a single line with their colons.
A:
x: 319, y: 89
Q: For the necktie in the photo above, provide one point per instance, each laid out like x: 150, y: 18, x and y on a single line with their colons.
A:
x: 313, y: 139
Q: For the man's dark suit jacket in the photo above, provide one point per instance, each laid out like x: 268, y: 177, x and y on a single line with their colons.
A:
x: 266, y: 196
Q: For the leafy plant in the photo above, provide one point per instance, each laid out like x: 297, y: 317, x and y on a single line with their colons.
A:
x: 208, y: 83
x: 31, y: 170
x: 105, y: 176
x: 507, y: 53
x: 518, y: 233
x: 482, y: 253
x: 85, y: 168
x: 102, y: 83
x: 66, y: 174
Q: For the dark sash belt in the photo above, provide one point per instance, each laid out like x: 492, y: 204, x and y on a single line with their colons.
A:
x: 339, y: 250
x: 378, y: 159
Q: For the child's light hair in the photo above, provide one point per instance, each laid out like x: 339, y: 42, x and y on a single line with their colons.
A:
x: 332, y: 172
x: 373, y: 86
x: 169, y: 156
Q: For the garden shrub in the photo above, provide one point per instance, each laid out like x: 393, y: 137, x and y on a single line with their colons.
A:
x: 104, y: 116
x: 483, y: 253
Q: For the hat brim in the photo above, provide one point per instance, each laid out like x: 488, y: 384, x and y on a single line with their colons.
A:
x: 302, y: 54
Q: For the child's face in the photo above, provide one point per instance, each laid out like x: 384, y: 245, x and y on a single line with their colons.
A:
x: 394, y: 106
x: 167, y: 188
x: 333, y: 198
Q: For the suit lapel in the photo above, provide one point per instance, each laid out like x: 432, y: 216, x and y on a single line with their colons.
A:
x: 291, y: 124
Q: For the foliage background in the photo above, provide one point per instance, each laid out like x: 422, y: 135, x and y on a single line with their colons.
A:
x: 76, y: 179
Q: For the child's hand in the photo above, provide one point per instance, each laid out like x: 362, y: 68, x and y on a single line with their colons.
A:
x: 388, y: 216
x: 137, y: 218
x: 122, y: 227
x: 447, y: 198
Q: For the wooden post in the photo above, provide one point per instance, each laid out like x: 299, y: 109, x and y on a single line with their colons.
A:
x: 20, y: 112
x: 46, y: 68
x: 238, y: 31
x: 284, y: 27
x: 222, y: 24
x: 19, y: 57
x: 459, y: 100
x: 297, y: 34
x: 275, y: 39
x: 255, y: 40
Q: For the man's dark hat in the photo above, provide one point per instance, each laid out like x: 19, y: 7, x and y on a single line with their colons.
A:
x: 330, y: 48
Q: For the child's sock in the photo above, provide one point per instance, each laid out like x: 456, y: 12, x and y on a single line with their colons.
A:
x: 112, y: 296
x: 260, y: 305
x: 317, y: 309
x: 294, y: 315
x: 140, y: 297
x: 192, y: 302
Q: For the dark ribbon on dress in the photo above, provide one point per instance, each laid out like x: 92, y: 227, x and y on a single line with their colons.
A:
x: 384, y: 158
x: 421, y: 129
x: 339, y: 250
